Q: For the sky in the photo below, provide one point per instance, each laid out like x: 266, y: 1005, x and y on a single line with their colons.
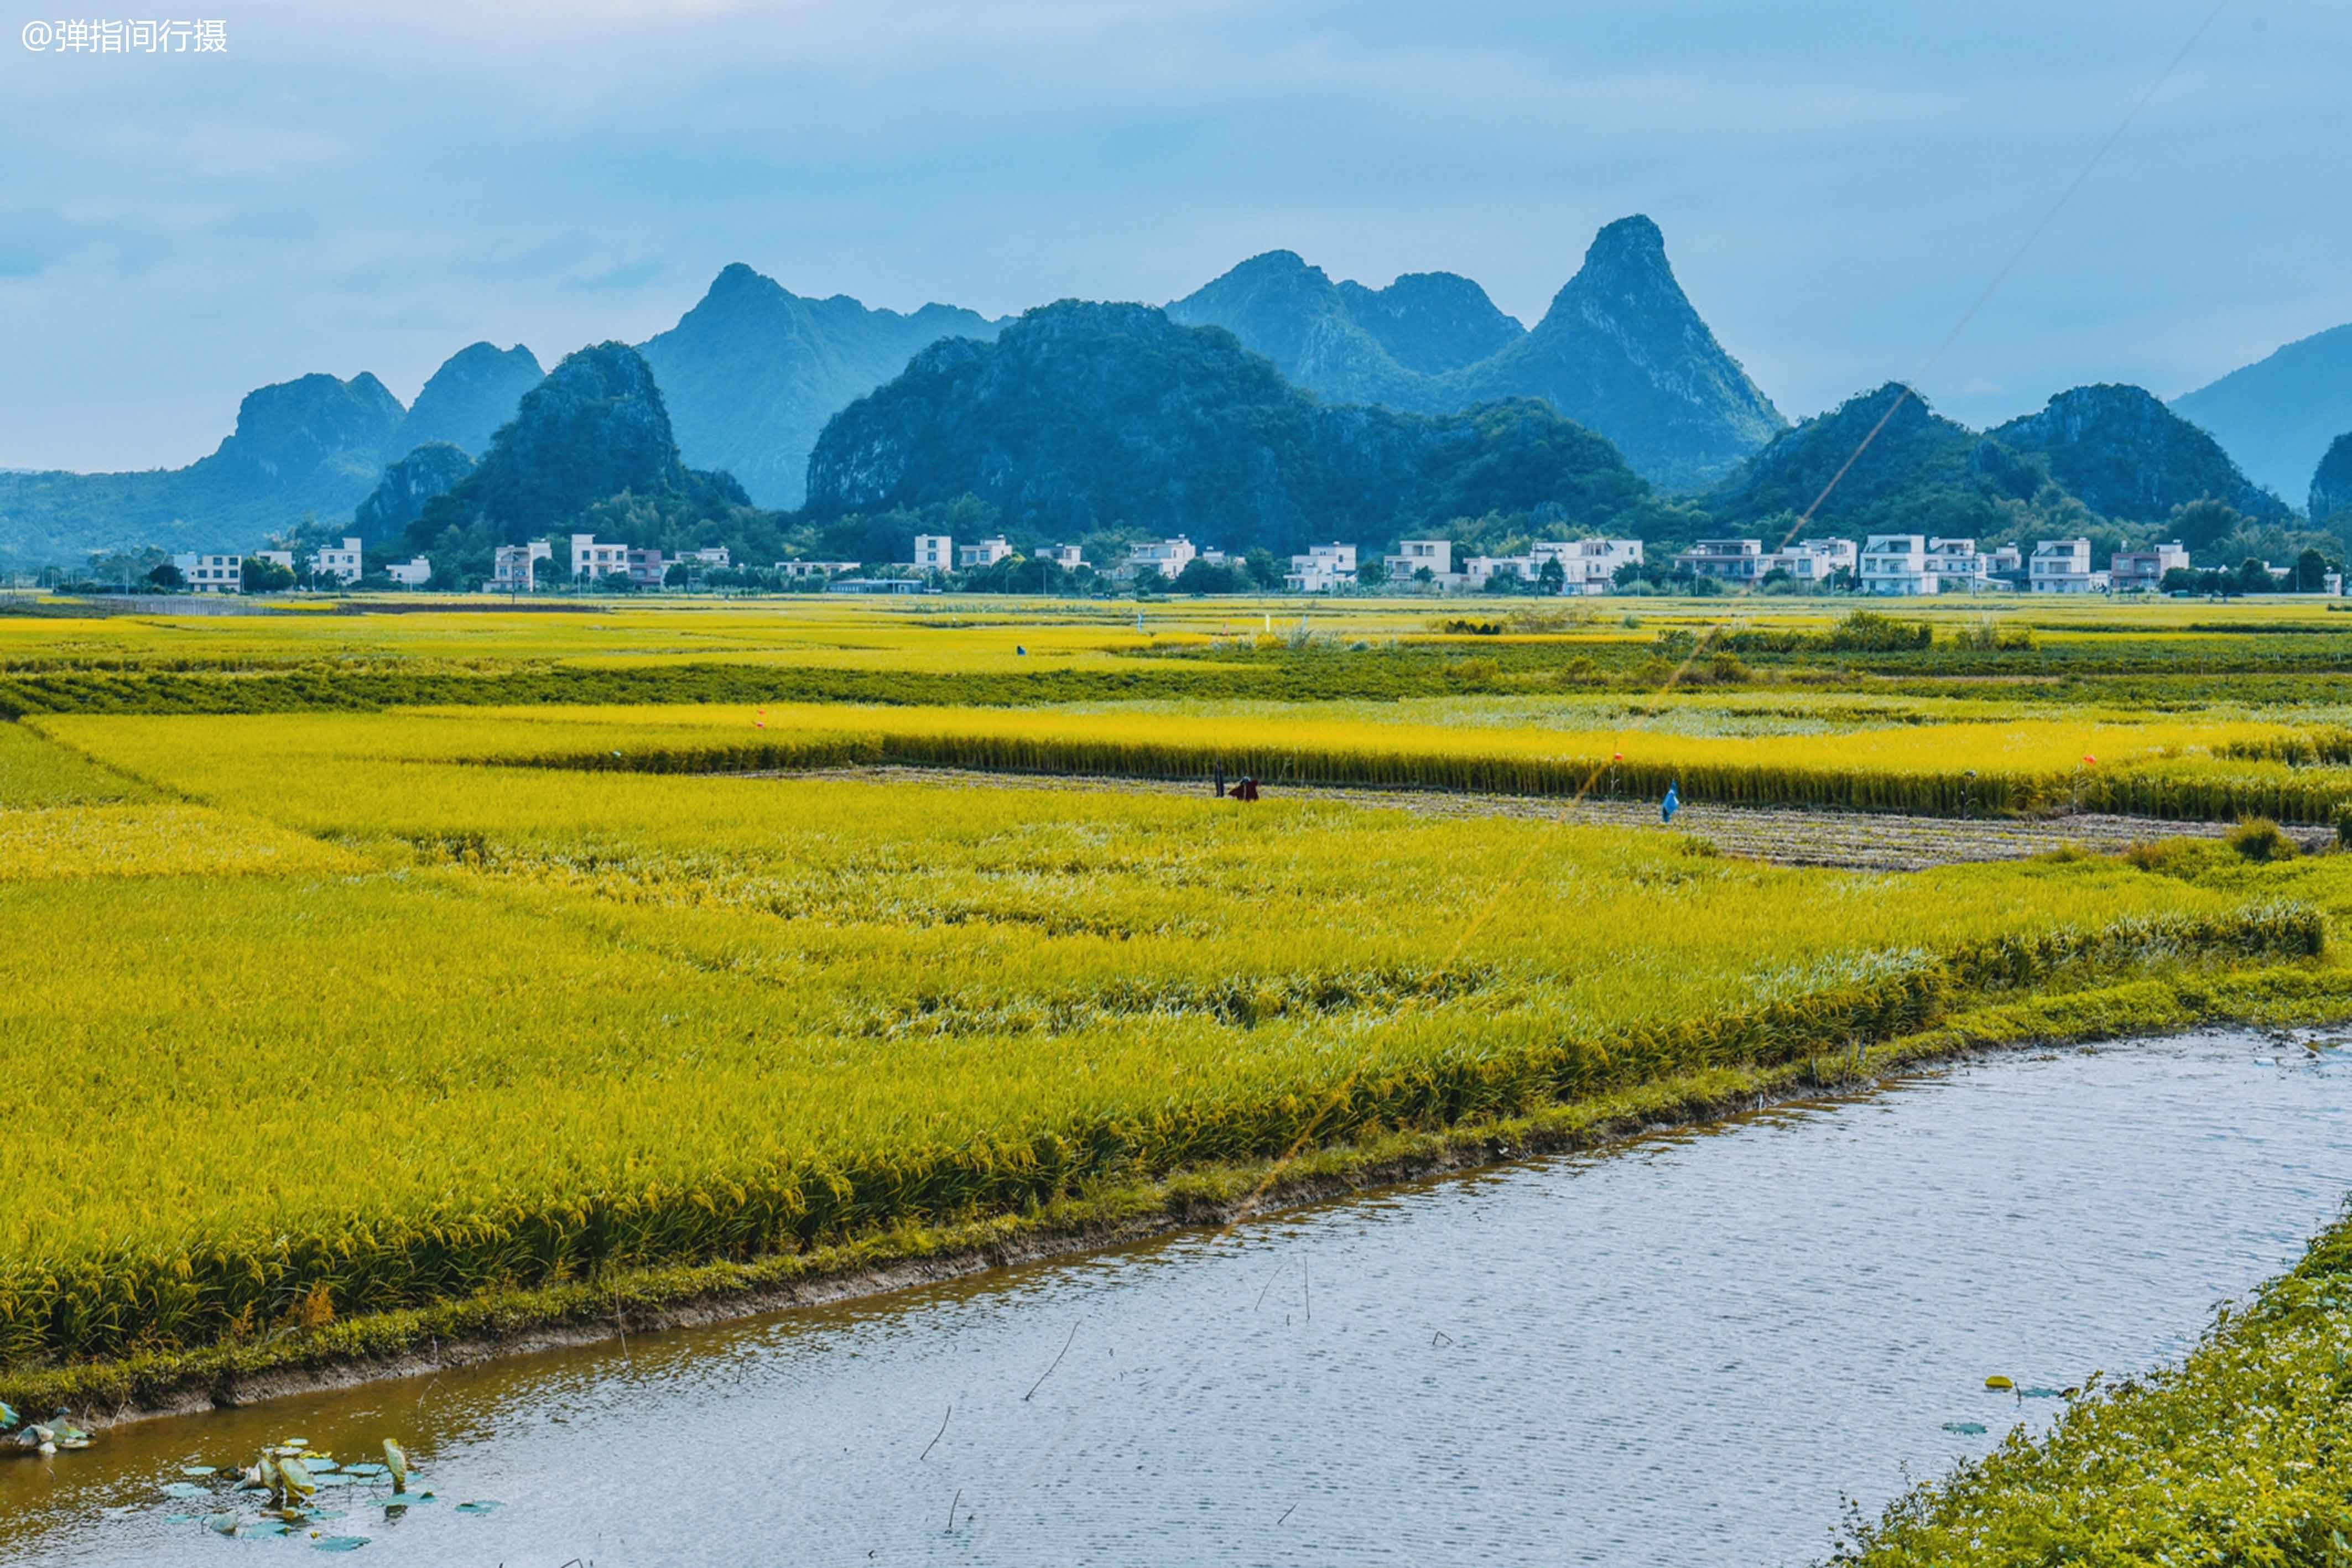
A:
x: 370, y: 187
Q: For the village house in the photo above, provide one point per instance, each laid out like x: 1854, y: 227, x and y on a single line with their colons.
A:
x: 1414, y: 556
x: 511, y: 567
x: 1731, y: 560
x: 1168, y: 558
x: 985, y: 554
x: 211, y: 573
x: 340, y: 561
x: 934, y: 552
x: 1322, y: 569
x: 1813, y: 560
x: 1897, y: 564
x: 2142, y: 570
x: 2062, y: 566
x: 592, y: 562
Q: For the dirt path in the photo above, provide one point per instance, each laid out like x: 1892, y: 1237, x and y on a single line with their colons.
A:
x: 1856, y: 840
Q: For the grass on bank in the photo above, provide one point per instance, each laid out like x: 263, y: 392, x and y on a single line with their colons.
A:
x: 2236, y: 1455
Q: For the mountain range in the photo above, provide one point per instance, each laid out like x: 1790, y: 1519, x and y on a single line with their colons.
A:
x: 1080, y: 417
x: 753, y: 372
x: 1621, y: 351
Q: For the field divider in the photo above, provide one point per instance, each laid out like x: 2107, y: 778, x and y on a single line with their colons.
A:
x: 2159, y: 791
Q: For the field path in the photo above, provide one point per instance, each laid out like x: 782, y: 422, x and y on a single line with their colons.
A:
x: 1793, y: 836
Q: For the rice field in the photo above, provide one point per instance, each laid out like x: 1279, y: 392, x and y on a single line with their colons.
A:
x: 345, y: 1008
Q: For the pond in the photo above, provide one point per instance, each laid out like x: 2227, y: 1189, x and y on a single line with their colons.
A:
x: 1688, y: 1351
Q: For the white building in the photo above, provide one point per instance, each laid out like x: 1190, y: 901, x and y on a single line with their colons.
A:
x: 339, y: 561
x: 801, y: 571
x: 1322, y: 569
x: 591, y: 560
x: 934, y: 552
x: 211, y: 573
x: 1069, y: 558
x: 2142, y: 570
x: 1733, y: 560
x: 414, y: 572
x: 876, y: 585
x: 1587, y: 566
x: 1897, y: 564
x: 1481, y: 569
x: 1815, y: 560
x: 1416, y: 556
x: 511, y: 568
x: 2005, y: 563
x: 284, y: 557
x: 1168, y: 558
x: 2061, y: 566
x: 986, y: 553
x: 1958, y: 567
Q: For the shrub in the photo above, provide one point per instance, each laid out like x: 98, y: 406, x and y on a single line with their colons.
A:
x: 2259, y: 839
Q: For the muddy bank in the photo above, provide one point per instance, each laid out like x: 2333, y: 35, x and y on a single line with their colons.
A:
x: 1787, y: 836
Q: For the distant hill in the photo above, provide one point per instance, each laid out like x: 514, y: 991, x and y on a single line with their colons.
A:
x: 1622, y: 351
x: 314, y: 444
x: 399, y: 497
x: 1923, y: 474
x: 2278, y: 415
x: 1432, y: 322
x: 753, y: 372
x: 475, y: 391
x: 1083, y: 416
x: 1334, y: 340
x: 594, y: 430
x: 2331, y: 487
x: 2129, y: 457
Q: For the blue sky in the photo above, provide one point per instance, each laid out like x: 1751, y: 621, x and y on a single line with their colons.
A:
x: 372, y: 187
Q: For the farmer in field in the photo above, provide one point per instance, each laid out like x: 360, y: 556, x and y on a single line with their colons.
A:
x: 1672, y: 802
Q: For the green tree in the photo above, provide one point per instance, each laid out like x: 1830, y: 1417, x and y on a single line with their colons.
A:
x: 1371, y: 571
x: 2310, y: 572
x: 2253, y: 577
x: 1553, y: 578
x: 1264, y: 569
x: 265, y: 575
x: 2201, y: 525
x: 167, y: 578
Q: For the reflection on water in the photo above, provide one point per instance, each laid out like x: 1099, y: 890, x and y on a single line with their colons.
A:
x: 1686, y: 1352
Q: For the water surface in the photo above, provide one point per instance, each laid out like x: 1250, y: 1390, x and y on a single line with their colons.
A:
x: 1685, y: 1352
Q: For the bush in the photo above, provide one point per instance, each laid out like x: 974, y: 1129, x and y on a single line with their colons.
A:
x: 2260, y: 840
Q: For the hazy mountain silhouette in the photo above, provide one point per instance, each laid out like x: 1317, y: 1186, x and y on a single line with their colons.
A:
x: 1621, y: 351
x: 2278, y: 415
x: 753, y: 372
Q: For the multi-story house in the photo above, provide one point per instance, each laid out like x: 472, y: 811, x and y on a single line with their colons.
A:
x: 1168, y: 558
x: 340, y: 562
x: 2061, y: 566
x: 1957, y: 566
x: 209, y: 573
x: 591, y: 560
x: 2142, y: 570
x: 985, y: 554
x: 1897, y: 564
x: 1414, y: 556
x: 1322, y: 568
x: 514, y: 567
x: 1733, y: 560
